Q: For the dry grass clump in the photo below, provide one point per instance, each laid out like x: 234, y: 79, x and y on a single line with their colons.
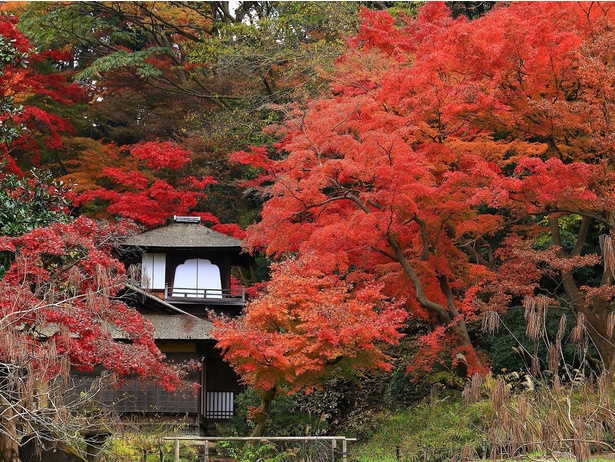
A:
x: 532, y: 417
x: 553, y: 408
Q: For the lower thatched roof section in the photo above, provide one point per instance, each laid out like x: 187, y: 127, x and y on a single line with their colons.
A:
x: 176, y: 325
x: 166, y: 326
x: 180, y: 327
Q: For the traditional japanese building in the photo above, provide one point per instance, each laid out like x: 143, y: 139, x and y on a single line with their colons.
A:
x: 185, y: 272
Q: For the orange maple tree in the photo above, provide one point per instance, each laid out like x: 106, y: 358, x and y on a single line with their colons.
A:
x: 449, y: 161
x: 308, y: 326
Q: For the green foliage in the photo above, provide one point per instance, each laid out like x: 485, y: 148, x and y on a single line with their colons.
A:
x: 297, y: 414
x: 146, y: 439
x: 399, y: 9
x: 503, y: 420
x: 31, y: 202
x: 443, y: 427
x: 9, y: 55
x: 135, y: 446
x: 124, y: 59
x: 251, y: 452
x: 292, y: 31
x: 404, y: 389
x: 52, y: 25
x: 9, y: 129
x: 285, y: 56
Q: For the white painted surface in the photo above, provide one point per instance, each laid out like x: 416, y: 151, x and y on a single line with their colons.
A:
x: 197, y: 277
x: 153, y: 269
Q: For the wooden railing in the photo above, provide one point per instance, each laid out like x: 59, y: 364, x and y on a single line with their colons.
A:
x: 206, y: 440
x: 210, y: 294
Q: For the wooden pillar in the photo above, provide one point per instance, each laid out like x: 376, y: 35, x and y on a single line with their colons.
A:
x: 203, y: 391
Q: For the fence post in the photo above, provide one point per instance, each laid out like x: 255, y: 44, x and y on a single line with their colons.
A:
x: 333, y: 448
x: 344, y: 450
x: 206, y: 450
x: 177, y: 450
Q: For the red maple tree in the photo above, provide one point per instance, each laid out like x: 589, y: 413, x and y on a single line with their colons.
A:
x: 32, y: 94
x: 59, y: 309
x: 143, y: 182
x: 448, y: 161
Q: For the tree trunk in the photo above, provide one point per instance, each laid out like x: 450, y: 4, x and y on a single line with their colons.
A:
x: 260, y: 415
x: 605, y: 349
x: 596, y: 315
x: 597, y: 331
x: 9, y: 449
x: 446, y: 315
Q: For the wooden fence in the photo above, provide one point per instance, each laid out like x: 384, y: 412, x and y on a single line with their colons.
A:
x: 206, y: 440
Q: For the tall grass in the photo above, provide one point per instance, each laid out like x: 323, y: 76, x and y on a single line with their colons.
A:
x: 500, y: 419
x: 551, y: 418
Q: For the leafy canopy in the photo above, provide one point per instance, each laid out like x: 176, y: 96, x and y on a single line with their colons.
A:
x: 309, y: 326
x: 445, y: 152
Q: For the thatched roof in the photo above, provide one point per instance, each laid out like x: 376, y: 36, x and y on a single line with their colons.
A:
x: 183, y: 235
x: 180, y: 327
x: 166, y: 327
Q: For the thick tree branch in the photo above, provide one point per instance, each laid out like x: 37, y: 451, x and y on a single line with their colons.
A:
x: 424, y: 239
x: 459, y: 326
x: 581, y: 237
x: 581, y: 213
x: 488, y: 262
x: 436, y: 308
